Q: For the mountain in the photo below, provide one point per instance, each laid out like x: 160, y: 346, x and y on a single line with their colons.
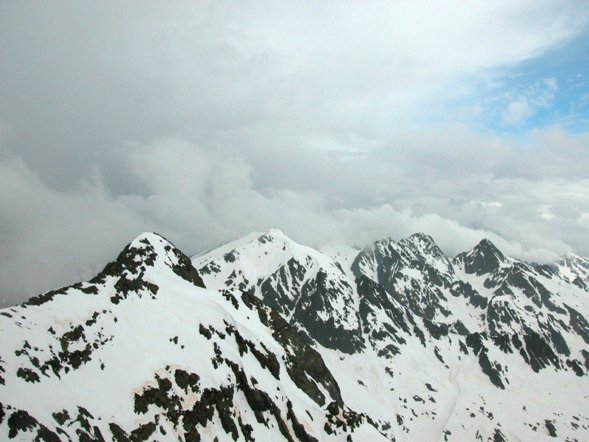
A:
x: 574, y: 269
x: 144, y: 352
x: 266, y: 339
x: 311, y: 290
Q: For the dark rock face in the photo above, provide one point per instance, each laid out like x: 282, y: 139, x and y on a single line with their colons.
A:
x: 395, y: 265
x: 20, y: 421
x: 184, y: 269
x: 307, y: 292
x: 579, y: 324
x: 128, y: 269
x: 317, y: 295
x: 304, y: 364
x: 164, y: 397
x: 498, y: 436
x: 483, y: 259
x: 277, y: 290
x: 476, y: 342
x: 550, y: 427
x: 313, y: 295
x: 130, y: 265
x: 24, y: 426
x: 464, y: 289
x: 539, y: 352
x: 374, y: 299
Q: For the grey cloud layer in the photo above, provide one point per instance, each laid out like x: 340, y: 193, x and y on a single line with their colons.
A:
x: 206, y: 121
x: 199, y: 197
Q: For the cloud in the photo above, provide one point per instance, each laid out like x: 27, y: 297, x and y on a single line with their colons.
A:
x: 540, y: 94
x: 200, y: 197
x: 50, y: 238
x: 517, y: 112
x: 584, y: 219
x: 78, y: 79
x: 205, y: 121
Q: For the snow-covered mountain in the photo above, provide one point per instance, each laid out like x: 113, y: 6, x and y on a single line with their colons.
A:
x: 267, y: 339
x: 308, y: 288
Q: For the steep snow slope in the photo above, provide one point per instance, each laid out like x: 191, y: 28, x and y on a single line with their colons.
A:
x: 392, y: 342
x: 472, y: 347
x: 144, y: 352
x: 308, y: 288
x: 531, y: 309
x: 574, y: 269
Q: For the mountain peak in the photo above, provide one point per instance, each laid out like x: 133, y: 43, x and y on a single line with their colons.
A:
x: 424, y: 245
x: 423, y: 241
x: 150, y: 250
x: 149, y: 237
x: 574, y: 268
x: 486, y: 242
x: 273, y: 235
x: 144, y: 251
x: 484, y: 258
x: 485, y: 246
x: 421, y: 237
x: 573, y: 257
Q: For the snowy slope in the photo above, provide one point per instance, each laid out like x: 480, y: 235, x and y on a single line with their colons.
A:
x: 472, y: 346
x: 144, y: 352
x: 574, y: 269
x: 307, y: 287
x: 267, y: 339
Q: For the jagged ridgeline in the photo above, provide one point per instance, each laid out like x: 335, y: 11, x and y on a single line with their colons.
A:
x: 266, y: 339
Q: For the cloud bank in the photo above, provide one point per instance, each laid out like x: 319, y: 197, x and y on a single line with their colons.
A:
x: 200, y: 197
x: 337, y: 123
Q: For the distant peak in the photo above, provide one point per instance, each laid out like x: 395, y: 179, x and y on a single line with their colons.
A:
x: 413, y: 241
x: 142, y: 252
x: 575, y: 258
x: 273, y: 235
x: 276, y: 232
x: 484, y: 258
x: 421, y: 237
x: 424, y: 244
x: 148, y: 250
x: 486, y: 246
x: 485, y: 242
x: 148, y: 237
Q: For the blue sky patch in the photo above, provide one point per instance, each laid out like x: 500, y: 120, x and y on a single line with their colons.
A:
x: 552, y: 89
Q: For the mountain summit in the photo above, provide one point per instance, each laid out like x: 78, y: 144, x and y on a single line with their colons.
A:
x: 482, y: 259
x: 267, y: 339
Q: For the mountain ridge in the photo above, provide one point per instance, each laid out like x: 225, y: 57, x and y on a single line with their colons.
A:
x: 266, y: 338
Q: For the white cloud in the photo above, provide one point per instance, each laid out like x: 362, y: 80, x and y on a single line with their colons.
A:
x: 50, y: 238
x: 487, y: 204
x: 517, y: 112
x: 584, y: 220
x: 310, y: 117
x: 551, y: 83
x: 199, y: 197
x: 540, y: 94
x: 545, y: 212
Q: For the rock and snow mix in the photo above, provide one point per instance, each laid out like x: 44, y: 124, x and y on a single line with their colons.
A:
x: 266, y: 339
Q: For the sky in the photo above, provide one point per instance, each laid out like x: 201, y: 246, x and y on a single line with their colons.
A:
x: 336, y: 122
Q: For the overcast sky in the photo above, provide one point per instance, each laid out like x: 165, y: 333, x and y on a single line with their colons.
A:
x: 337, y: 122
